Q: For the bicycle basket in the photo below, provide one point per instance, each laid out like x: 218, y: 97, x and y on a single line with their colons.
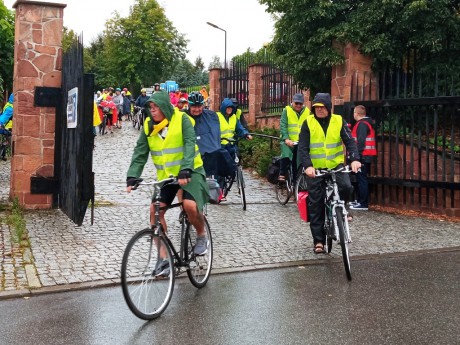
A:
x: 214, y: 191
x: 274, y: 170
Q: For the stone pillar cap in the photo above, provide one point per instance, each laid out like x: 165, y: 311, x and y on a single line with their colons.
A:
x: 38, y: 3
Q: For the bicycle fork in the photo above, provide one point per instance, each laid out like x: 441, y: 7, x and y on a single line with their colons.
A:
x: 341, y: 204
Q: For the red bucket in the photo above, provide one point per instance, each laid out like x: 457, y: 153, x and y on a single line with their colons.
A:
x: 302, y: 205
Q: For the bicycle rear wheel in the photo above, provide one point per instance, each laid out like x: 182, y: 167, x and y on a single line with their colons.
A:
x: 200, y: 266
x: 240, y: 182
x: 283, y: 190
x: 343, y: 241
x: 146, y: 290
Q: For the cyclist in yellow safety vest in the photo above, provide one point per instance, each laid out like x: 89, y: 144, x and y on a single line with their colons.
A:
x: 320, y: 147
x: 230, y: 125
x: 6, y: 117
x: 239, y: 114
x: 292, y: 118
x: 169, y: 137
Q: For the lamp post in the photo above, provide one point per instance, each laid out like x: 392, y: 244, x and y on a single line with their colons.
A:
x: 225, y: 56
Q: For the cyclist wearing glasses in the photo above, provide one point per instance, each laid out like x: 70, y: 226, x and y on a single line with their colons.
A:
x: 216, y: 160
x: 169, y: 137
x: 320, y: 147
x: 292, y: 118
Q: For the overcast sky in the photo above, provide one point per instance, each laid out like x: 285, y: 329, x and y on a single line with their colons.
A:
x: 246, y: 22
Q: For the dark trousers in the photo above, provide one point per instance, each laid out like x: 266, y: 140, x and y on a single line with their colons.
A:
x: 316, y: 195
x: 284, y: 163
x: 363, y: 185
x: 218, y: 163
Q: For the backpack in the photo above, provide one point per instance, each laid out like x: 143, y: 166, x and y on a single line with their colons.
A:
x: 274, y: 170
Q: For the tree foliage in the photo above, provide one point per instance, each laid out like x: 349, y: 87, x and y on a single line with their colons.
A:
x: 6, y: 49
x: 142, y: 48
x: 383, y: 29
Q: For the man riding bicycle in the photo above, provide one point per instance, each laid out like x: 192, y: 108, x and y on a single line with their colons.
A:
x: 292, y: 118
x: 320, y: 147
x: 169, y: 137
x: 216, y: 160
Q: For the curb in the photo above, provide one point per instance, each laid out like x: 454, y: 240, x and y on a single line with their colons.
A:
x: 32, y: 292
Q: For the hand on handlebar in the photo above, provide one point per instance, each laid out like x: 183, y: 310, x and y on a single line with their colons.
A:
x: 355, y: 166
x: 310, y: 172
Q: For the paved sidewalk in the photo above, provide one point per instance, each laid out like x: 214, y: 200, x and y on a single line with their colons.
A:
x: 64, y: 256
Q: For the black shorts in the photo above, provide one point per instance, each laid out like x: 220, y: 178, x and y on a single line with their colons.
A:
x: 168, y: 193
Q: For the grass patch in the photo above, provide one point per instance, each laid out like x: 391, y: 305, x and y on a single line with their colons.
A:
x: 16, y: 220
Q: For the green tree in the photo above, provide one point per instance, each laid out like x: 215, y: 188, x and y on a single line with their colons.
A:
x: 68, y: 37
x: 6, y: 50
x: 215, y: 63
x: 142, y: 48
x: 306, y: 30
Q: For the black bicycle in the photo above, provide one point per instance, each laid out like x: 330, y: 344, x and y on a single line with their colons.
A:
x: 290, y: 186
x: 336, y: 217
x: 238, y: 176
x: 146, y: 288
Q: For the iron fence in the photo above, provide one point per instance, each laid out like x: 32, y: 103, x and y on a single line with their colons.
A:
x: 417, y: 121
x: 278, y: 87
x: 235, y: 82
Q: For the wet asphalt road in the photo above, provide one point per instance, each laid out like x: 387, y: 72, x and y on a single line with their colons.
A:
x: 393, y: 299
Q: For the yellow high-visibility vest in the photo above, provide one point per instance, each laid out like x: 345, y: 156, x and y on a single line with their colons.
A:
x: 326, y: 151
x: 167, y: 153
x: 227, y: 129
x: 295, y: 122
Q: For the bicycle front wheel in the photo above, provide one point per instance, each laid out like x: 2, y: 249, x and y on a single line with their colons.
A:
x: 147, y: 286
x: 199, y: 266
x: 343, y: 241
x: 240, y: 181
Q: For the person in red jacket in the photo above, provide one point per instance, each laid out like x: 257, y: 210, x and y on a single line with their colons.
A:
x: 112, y: 115
x: 364, y: 134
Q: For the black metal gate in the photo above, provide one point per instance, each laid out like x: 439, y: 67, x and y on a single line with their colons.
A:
x: 417, y: 132
x: 73, y: 166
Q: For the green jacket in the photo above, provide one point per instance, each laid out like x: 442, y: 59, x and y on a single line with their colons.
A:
x: 197, y: 187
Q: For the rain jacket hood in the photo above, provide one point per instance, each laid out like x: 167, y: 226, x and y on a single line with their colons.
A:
x: 11, y: 99
x: 161, y: 99
x: 323, y: 98
x: 227, y: 102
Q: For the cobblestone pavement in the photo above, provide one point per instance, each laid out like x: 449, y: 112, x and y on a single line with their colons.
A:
x: 266, y: 234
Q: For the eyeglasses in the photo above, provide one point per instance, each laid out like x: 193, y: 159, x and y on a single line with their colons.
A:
x: 298, y: 103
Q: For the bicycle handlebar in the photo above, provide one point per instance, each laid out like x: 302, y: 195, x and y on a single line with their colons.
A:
x: 159, y: 184
x: 323, y: 172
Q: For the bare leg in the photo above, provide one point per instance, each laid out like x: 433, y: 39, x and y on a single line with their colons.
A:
x: 194, y: 216
x: 162, y: 222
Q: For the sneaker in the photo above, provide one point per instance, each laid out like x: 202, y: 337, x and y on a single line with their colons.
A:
x: 353, y: 203
x: 358, y: 207
x: 201, y: 245
x: 162, y: 269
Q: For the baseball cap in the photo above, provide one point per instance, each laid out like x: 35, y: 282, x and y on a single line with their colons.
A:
x: 298, y: 98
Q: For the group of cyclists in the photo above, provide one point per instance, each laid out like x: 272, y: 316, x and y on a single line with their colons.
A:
x: 190, y: 143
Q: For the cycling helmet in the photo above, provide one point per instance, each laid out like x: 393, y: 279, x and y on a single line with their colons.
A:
x: 125, y: 89
x: 117, y: 89
x: 143, y: 90
x: 156, y: 84
x: 195, y: 98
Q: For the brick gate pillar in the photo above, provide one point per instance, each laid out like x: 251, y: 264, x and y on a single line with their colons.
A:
x: 342, y: 75
x: 255, y: 93
x: 37, y: 62
x: 215, y: 88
